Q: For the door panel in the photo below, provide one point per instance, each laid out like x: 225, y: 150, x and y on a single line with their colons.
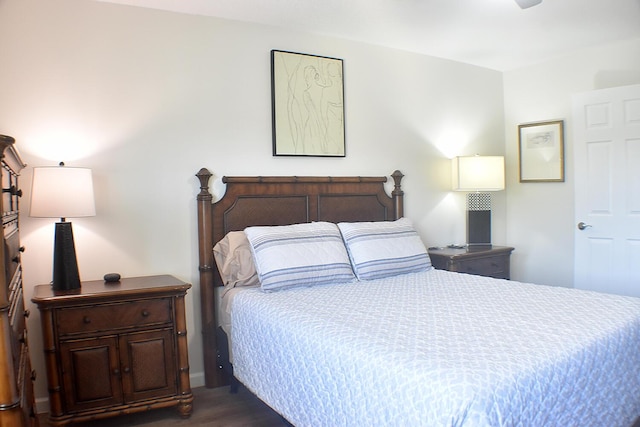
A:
x: 606, y: 132
x: 633, y: 163
x: 90, y: 373
x: 146, y: 364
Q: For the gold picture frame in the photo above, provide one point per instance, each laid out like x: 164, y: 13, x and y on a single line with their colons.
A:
x: 307, y: 95
x: 541, y: 151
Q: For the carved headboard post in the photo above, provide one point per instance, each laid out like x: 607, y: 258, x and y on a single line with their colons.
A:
x: 205, y: 250
x: 398, y: 194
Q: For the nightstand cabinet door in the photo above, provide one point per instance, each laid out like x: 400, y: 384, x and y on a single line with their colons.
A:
x: 91, y: 373
x: 148, y: 370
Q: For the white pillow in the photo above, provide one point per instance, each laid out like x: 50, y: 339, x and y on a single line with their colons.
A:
x: 299, y: 255
x: 385, y: 248
x: 235, y: 261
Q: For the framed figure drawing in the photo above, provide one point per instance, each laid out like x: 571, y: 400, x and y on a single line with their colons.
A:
x: 307, y: 96
x: 541, y: 149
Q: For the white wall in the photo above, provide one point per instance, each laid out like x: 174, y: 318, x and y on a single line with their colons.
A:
x: 146, y: 98
x: 540, y: 216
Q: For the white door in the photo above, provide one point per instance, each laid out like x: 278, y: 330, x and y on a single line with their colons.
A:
x: 606, y: 137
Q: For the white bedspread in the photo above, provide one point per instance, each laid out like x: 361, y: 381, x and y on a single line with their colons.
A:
x: 440, y: 349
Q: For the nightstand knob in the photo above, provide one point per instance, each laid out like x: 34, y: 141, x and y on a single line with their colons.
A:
x: 27, y: 313
x: 86, y: 319
x: 127, y: 370
x: 116, y: 371
x: 33, y: 375
x: 145, y: 313
x: 21, y: 248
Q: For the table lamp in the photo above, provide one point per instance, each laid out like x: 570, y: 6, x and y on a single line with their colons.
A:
x: 478, y: 175
x: 63, y: 192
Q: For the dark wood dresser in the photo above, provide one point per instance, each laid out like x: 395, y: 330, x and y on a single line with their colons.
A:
x: 115, y: 348
x: 491, y: 261
x: 17, y: 404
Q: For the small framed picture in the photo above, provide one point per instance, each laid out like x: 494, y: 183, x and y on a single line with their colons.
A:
x: 541, y: 148
x: 307, y: 95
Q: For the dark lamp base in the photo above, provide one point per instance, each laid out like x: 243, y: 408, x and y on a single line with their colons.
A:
x: 65, y: 265
x: 479, y: 228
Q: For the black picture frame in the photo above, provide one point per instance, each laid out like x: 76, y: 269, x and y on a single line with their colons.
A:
x: 307, y: 95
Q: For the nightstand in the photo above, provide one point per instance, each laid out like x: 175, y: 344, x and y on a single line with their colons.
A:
x: 115, y: 348
x: 486, y: 261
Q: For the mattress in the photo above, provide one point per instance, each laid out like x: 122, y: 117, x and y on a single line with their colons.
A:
x: 440, y: 348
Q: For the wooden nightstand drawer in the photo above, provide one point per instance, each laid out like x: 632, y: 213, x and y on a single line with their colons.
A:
x: 493, y: 266
x: 113, y: 316
x: 492, y: 261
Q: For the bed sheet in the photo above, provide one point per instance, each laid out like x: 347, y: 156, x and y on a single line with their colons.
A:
x: 440, y: 349
x: 224, y: 313
x: 226, y: 297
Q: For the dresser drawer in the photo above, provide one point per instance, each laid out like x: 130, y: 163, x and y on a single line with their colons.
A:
x: 28, y: 376
x: 18, y: 326
x: 12, y: 254
x: 490, y: 266
x: 78, y: 320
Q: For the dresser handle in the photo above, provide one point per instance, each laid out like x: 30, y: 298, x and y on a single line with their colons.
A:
x: 86, y: 319
x: 16, y: 259
x: 126, y: 370
x: 27, y: 313
x: 145, y: 313
x: 13, y: 191
x: 21, y: 249
x: 116, y: 371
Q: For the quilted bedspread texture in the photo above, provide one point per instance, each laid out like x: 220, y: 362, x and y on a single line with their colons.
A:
x: 440, y: 349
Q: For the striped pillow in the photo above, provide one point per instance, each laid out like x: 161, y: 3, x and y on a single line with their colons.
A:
x: 383, y: 249
x: 299, y: 255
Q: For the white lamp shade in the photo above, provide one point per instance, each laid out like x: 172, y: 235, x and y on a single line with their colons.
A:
x: 62, y: 192
x: 525, y: 4
x: 478, y: 173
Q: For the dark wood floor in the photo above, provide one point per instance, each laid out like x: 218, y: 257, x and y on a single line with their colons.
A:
x: 212, y: 407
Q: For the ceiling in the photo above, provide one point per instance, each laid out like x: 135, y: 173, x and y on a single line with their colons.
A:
x: 495, y: 34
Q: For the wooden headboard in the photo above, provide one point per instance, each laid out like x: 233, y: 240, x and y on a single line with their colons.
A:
x: 278, y: 200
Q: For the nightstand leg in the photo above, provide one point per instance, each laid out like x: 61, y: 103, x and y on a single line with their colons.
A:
x: 186, y: 403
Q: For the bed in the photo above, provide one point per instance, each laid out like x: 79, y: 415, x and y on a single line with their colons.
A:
x: 410, y: 346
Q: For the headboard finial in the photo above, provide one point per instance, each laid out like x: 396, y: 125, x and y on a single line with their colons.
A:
x: 398, y: 194
x: 204, y: 176
x: 397, y: 177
